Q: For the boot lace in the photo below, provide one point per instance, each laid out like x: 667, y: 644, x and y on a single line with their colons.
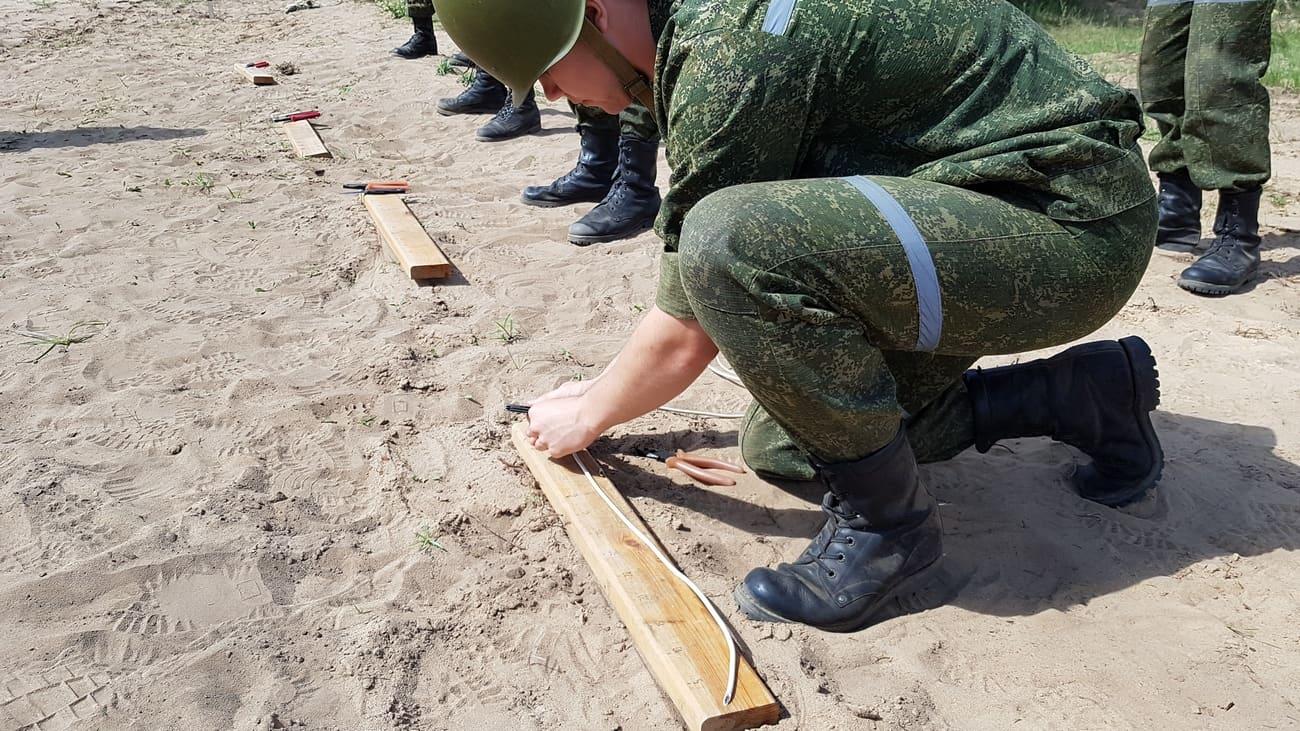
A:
x: 829, y: 552
x: 506, y: 111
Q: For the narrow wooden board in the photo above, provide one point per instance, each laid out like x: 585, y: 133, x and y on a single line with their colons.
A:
x: 674, y: 633
x: 405, y: 239
x: 306, y: 142
x: 260, y: 77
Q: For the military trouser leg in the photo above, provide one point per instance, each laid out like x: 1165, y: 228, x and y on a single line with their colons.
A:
x: 418, y: 9
x: 929, y: 389
x: 843, y: 303
x: 1200, y: 79
x: 636, y: 121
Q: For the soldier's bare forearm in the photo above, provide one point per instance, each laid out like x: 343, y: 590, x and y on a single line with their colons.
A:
x: 661, y: 359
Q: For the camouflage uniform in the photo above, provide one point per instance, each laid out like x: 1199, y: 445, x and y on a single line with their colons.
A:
x: 1200, y: 77
x: 636, y: 121
x: 869, y: 195
x: 418, y: 9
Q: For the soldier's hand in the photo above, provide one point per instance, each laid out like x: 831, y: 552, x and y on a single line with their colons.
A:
x: 561, y: 426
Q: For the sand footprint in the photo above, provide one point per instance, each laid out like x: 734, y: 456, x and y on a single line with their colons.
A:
x: 190, y: 601
x: 62, y: 697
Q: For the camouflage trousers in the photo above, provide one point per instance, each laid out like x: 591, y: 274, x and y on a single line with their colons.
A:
x: 636, y: 121
x: 419, y: 8
x: 1199, y: 78
x: 849, y: 306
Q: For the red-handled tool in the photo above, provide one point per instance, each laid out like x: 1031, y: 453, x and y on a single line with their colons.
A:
x: 257, y: 65
x: 704, y: 470
x: 378, y: 187
x: 297, y: 116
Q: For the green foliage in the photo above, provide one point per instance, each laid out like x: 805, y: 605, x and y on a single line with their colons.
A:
x: 395, y: 8
x: 425, y: 542
x: 80, y: 332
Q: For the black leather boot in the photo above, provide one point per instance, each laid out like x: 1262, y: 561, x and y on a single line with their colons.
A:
x: 1233, y: 258
x: 1180, y: 214
x: 509, y: 123
x: 633, y: 201
x: 879, y: 545
x: 589, y: 181
x: 485, y: 96
x: 1096, y: 397
x: 460, y: 60
x: 423, y: 43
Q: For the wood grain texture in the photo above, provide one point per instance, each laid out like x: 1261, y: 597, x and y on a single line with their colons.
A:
x: 677, y: 639
x: 406, y: 240
x: 260, y: 77
x: 306, y: 142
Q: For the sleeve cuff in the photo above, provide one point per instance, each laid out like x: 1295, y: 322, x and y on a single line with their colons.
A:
x: 671, y: 298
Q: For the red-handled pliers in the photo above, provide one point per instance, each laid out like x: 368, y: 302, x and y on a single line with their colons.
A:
x: 704, y: 470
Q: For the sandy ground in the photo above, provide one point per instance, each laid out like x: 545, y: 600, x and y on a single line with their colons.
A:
x: 209, y: 510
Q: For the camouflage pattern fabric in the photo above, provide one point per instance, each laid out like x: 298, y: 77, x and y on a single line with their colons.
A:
x: 636, y: 121
x: 930, y: 392
x: 966, y: 93
x: 810, y: 290
x: 419, y: 8
x: 1199, y: 77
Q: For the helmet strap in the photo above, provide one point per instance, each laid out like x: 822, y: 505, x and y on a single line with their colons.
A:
x: 634, y: 82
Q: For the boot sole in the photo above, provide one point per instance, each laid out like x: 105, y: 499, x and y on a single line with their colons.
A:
x: 1146, y: 397
x: 606, y: 238
x: 558, y: 204
x: 525, y: 133
x: 1178, y: 250
x: 908, y: 597
x: 1210, y: 290
x: 472, y: 110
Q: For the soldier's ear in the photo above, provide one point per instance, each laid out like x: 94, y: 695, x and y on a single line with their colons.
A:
x: 598, y: 14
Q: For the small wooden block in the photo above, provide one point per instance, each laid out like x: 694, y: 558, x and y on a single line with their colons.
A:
x: 306, y: 141
x: 672, y: 630
x: 260, y: 77
x: 406, y: 240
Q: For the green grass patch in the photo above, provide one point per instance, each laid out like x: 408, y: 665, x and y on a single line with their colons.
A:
x: 395, y: 8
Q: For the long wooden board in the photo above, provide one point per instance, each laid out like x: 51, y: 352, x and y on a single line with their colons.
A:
x: 406, y: 240
x: 674, y: 633
x: 306, y: 142
x: 260, y: 77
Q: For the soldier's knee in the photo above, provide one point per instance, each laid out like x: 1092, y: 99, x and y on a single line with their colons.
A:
x: 718, y: 238
x: 768, y: 449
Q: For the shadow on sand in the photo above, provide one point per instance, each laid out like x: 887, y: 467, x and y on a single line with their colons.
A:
x: 86, y: 136
x: 1017, y: 539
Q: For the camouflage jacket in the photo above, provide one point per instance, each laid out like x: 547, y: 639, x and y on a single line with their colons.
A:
x: 970, y: 93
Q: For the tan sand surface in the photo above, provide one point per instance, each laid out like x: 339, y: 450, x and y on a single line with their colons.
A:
x: 209, y: 510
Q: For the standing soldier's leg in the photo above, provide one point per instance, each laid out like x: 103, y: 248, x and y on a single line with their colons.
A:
x: 1225, y: 134
x: 633, y: 201
x: 1162, y: 85
x: 512, y: 121
x: 423, y: 42
x: 815, y: 291
x: 590, y: 179
x: 485, y: 95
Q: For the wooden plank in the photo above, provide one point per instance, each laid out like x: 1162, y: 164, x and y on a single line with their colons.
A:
x: 306, y: 142
x: 677, y: 639
x: 405, y: 239
x: 260, y: 77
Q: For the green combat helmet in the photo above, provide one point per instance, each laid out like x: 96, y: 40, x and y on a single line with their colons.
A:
x: 518, y: 40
